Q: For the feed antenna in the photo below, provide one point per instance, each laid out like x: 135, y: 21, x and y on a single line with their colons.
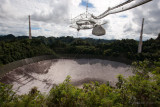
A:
x: 86, y: 21
x: 89, y: 21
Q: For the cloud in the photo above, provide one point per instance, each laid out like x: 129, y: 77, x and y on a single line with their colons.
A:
x: 151, y: 14
x: 56, y: 14
x: 85, y: 3
x: 52, y: 18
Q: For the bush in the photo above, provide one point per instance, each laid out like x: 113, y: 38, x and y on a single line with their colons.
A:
x: 141, y: 89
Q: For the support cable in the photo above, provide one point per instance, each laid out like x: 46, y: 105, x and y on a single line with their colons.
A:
x: 122, y: 7
x: 86, y: 8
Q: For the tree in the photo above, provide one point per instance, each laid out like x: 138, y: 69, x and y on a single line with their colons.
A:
x: 158, y: 38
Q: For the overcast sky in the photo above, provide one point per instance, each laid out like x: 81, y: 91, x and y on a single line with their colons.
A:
x: 52, y: 18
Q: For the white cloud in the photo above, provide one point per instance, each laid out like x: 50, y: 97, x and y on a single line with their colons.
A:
x: 52, y: 18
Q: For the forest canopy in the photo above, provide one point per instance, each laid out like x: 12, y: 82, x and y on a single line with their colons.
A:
x: 142, y: 89
x: 15, y: 48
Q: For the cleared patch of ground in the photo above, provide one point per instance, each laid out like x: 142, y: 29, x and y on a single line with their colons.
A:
x: 45, y: 74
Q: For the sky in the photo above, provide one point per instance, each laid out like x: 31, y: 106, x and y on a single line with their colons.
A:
x: 53, y: 18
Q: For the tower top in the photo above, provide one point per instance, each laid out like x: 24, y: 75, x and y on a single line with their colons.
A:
x: 30, y: 35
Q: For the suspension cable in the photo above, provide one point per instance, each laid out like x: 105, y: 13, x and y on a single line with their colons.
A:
x: 122, y: 7
x: 86, y: 8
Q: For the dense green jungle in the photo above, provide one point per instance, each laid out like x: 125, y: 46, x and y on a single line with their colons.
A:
x: 15, y: 48
x: 140, y: 90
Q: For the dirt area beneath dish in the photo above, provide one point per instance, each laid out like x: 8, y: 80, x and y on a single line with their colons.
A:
x: 46, y: 74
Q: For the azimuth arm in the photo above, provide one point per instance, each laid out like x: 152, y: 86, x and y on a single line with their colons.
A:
x: 122, y: 7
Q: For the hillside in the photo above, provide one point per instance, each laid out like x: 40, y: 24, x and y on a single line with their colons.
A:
x: 125, y: 92
x: 15, y: 48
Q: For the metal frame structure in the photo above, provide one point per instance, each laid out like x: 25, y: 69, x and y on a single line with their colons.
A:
x: 89, y: 21
x: 129, y: 4
x: 84, y: 21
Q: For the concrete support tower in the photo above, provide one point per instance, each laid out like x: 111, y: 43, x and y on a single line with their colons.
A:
x: 30, y: 36
x: 140, y: 39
